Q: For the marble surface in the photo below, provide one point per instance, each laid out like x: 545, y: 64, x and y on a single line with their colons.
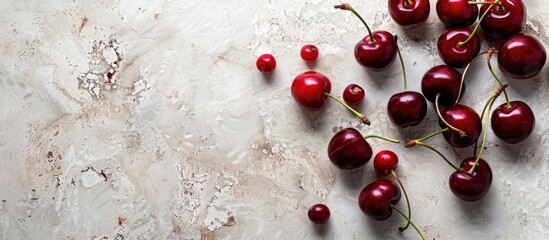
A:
x: 147, y: 119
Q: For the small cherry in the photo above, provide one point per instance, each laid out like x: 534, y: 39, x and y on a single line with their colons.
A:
x: 266, y: 63
x: 505, y: 19
x: 407, y: 108
x: 513, y: 124
x: 377, y: 50
x: 378, y: 199
x: 309, y: 53
x: 409, y: 13
x: 310, y: 90
x: 521, y: 56
x: 319, y: 213
x: 457, y: 13
x: 471, y: 186
x: 348, y: 149
x: 458, y: 47
x: 444, y: 81
x: 353, y: 94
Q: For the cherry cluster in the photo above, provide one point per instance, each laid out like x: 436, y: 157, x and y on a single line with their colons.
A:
x: 520, y: 56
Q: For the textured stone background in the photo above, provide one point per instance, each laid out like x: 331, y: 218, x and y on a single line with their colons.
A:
x: 136, y: 119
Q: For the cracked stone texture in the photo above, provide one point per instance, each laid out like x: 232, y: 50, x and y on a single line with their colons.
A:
x: 143, y: 119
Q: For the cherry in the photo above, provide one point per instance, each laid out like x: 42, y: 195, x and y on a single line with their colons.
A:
x: 513, y: 124
x: 309, y: 53
x: 406, y: 108
x: 409, y: 13
x: 521, y: 56
x: 377, y: 50
x: 471, y: 186
x: 353, y: 94
x: 465, y: 119
x: 505, y: 19
x: 453, y: 52
x: 457, y: 13
x: 319, y: 213
x: 445, y: 81
x: 348, y: 149
x: 385, y: 162
x: 310, y: 90
x: 266, y: 63
x: 377, y: 197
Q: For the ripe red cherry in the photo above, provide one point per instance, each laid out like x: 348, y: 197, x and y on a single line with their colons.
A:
x: 407, y: 109
x: 266, y: 63
x: 471, y: 187
x: 376, y: 198
x: 442, y: 80
x: 308, y: 90
x: 457, y: 13
x: 384, y: 162
x: 379, y: 55
x: 409, y: 13
x: 504, y: 20
x: 309, y: 53
x: 319, y: 213
x: 353, y: 94
x: 513, y: 125
x: 464, y: 118
x: 348, y: 149
x: 454, y: 55
x: 521, y: 56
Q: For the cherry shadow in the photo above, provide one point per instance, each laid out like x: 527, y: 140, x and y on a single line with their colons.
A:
x: 354, y: 179
x: 323, y: 230
x: 269, y: 77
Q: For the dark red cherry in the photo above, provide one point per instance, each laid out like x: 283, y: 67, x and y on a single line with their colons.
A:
x: 464, y: 118
x: 353, y: 94
x: 309, y: 53
x: 308, y: 90
x: 521, y: 56
x: 376, y: 198
x: 376, y: 56
x: 319, y: 213
x: 266, y: 63
x: 471, y: 187
x: 348, y: 149
x: 444, y: 80
x: 505, y: 19
x: 407, y: 108
x: 384, y: 162
x: 513, y: 125
x: 454, y: 55
x: 457, y: 13
x: 409, y: 13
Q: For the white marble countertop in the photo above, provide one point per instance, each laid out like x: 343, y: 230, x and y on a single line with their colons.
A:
x: 147, y: 119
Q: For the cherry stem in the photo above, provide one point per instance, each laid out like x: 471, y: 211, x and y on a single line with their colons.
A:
x: 412, y: 143
x: 475, y: 2
x: 407, y: 219
x: 401, y: 64
x: 488, y: 58
x: 407, y: 3
x: 461, y: 44
x: 384, y: 138
x: 465, y: 73
x: 461, y: 133
x: 346, y: 6
x: 407, y: 200
x: 362, y: 117
x: 439, y: 153
x: 488, y: 105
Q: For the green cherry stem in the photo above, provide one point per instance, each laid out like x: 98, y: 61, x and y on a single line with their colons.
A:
x: 407, y: 200
x: 407, y: 219
x: 488, y: 58
x: 346, y: 6
x: 362, y: 117
x: 461, y: 44
x: 411, y: 143
x: 488, y: 106
x: 439, y: 153
x: 461, y: 132
x: 401, y: 64
x: 383, y: 138
x: 464, y: 74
